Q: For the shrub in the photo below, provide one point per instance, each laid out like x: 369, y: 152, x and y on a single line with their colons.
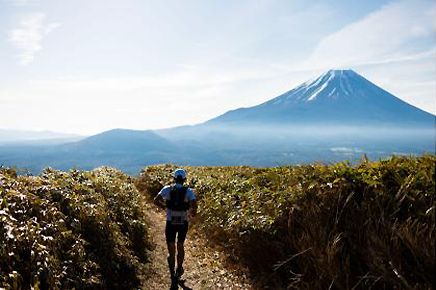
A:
x: 317, y: 226
x: 76, y: 229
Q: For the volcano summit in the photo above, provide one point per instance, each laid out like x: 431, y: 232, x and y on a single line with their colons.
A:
x: 337, y: 97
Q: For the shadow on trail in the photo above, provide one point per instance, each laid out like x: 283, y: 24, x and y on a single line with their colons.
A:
x: 180, y: 283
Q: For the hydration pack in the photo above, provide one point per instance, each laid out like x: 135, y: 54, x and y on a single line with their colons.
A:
x: 176, y: 200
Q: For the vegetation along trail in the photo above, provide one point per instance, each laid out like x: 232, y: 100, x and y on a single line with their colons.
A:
x: 342, y: 227
x: 367, y: 226
x: 204, y: 267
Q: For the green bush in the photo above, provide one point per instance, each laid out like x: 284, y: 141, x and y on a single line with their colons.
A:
x: 65, y: 230
x: 317, y: 226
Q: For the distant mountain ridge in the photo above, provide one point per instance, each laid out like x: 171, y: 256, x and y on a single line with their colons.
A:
x: 122, y: 139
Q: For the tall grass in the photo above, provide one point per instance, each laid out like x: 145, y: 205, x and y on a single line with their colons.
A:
x: 368, y: 226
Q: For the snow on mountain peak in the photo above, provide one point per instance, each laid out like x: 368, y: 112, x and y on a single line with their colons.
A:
x: 332, y: 83
x: 318, y: 90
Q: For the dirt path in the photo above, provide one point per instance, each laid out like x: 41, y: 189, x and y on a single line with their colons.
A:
x: 203, y: 266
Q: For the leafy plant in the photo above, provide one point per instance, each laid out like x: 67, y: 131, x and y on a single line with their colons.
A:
x: 320, y: 227
x: 76, y: 229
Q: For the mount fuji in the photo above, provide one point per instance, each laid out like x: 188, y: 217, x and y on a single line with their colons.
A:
x: 338, y: 116
x: 337, y: 97
x: 339, y: 105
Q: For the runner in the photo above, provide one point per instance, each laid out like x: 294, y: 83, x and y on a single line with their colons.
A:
x: 177, y: 199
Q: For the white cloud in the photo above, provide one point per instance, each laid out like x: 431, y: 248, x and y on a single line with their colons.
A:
x: 393, y: 32
x: 137, y: 102
x: 28, y: 36
x: 188, y: 76
x: 22, y: 3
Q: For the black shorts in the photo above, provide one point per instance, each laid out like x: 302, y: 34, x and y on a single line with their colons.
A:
x: 171, y: 231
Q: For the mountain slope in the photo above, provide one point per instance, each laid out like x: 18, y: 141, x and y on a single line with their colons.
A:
x: 123, y: 140
x: 128, y: 150
x: 336, y: 97
x: 338, y: 115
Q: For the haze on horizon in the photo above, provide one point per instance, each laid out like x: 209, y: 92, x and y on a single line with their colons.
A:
x: 89, y: 66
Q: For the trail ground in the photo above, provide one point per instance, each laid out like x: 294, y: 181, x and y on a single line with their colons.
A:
x: 204, y: 267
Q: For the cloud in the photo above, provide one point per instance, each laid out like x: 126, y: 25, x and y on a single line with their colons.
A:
x: 189, y: 76
x: 22, y: 3
x: 397, y: 31
x: 28, y: 36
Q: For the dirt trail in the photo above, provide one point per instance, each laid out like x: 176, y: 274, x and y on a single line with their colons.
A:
x: 203, y: 266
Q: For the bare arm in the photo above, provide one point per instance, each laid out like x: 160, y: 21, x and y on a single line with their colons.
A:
x: 193, y: 206
x: 160, y: 202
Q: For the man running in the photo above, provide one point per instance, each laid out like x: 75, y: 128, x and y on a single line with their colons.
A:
x: 177, y: 199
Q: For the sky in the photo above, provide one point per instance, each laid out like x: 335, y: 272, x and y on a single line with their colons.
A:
x: 87, y: 66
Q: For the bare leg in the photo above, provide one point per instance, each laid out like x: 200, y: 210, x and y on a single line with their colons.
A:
x: 171, y: 257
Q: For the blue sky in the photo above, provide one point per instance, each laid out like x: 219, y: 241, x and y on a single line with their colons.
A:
x: 87, y: 66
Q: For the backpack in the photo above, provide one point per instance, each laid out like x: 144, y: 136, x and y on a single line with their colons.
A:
x: 176, y: 200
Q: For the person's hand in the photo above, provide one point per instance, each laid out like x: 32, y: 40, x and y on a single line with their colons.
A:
x: 159, y: 202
